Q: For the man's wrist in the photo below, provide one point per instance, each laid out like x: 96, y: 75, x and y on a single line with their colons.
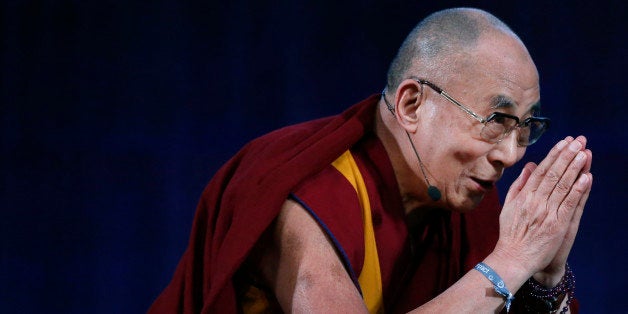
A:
x: 533, y: 297
x: 513, y: 274
x: 550, y: 279
x: 533, y: 304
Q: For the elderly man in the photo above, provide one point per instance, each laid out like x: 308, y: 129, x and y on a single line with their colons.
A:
x: 391, y: 206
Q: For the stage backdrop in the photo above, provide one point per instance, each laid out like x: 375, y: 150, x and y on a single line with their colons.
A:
x: 115, y: 114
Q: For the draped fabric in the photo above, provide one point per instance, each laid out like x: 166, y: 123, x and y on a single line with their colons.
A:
x: 243, y: 199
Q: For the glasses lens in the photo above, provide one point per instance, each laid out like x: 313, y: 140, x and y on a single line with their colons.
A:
x: 497, y: 126
x: 531, y: 130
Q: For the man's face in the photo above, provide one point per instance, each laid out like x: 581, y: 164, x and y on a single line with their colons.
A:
x: 500, y: 77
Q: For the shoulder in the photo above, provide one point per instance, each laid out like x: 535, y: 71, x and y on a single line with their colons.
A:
x: 333, y: 203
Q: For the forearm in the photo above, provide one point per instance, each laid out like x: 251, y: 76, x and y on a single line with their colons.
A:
x: 474, y: 293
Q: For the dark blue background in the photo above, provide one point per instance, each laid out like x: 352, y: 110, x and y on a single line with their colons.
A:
x: 115, y: 114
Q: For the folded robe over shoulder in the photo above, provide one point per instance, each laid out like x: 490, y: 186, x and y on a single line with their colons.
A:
x: 243, y: 199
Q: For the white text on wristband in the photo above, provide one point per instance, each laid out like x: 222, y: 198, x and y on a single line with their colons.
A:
x: 498, y: 283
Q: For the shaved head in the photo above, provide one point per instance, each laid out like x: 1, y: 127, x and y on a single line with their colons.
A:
x: 438, y: 43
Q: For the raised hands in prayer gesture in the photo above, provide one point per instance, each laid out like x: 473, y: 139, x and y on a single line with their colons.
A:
x: 542, y: 211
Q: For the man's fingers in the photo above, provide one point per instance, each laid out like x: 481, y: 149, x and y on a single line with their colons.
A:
x: 574, y: 199
x: 551, y: 174
x: 575, y: 221
x: 574, y: 224
x: 587, y: 167
x: 520, y: 182
x: 566, y: 181
x: 583, y: 140
x: 536, y: 178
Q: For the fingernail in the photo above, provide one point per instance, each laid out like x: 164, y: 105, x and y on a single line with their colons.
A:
x: 584, y: 179
x: 580, y: 156
x: 575, y: 146
x: 561, y: 144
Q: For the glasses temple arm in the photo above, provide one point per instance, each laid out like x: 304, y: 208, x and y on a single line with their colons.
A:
x: 455, y: 102
x: 461, y: 106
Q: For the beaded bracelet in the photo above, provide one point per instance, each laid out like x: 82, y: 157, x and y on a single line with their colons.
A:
x: 541, y: 299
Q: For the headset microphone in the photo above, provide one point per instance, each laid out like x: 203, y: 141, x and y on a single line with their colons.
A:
x: 432, y: 191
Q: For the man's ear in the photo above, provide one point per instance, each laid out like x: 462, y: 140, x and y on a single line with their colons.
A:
x: 408, y: 99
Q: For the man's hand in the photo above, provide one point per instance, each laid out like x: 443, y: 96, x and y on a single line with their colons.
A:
x: 553, y: 273
x: 542, y: 211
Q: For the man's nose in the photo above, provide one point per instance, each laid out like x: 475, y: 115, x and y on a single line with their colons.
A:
x: 507, y: 152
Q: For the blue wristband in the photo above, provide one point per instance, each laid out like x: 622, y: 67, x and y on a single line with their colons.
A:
x: 498, y: 283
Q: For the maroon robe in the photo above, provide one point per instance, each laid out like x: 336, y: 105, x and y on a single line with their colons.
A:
x: 244, y: 197
x: 247, y: 193
x: 418, y: 261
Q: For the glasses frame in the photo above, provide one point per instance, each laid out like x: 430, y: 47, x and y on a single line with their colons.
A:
x: 484, y: 121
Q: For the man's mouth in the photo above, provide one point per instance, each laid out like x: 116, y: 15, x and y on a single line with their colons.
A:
x: 485, y: 184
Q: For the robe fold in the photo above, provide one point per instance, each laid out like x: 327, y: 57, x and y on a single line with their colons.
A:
x: 242, y: 200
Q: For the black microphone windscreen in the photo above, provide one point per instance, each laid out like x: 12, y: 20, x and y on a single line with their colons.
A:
x: 433, y: 192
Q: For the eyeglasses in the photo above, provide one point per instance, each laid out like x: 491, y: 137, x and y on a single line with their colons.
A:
x: 498, y: 125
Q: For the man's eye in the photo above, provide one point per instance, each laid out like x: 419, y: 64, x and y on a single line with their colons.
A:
x: 500, y: 120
